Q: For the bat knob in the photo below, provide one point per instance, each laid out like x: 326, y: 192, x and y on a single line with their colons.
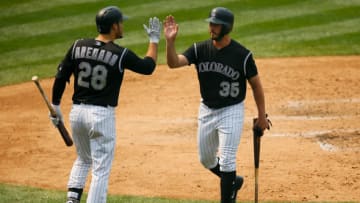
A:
x: 35, y: 78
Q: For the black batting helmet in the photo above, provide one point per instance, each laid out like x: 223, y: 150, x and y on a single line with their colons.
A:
x: 223, y: 16
x: 106, y: 17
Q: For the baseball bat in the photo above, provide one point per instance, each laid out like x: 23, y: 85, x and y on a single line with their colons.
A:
x: 257, y: 133
x: 60, y: 126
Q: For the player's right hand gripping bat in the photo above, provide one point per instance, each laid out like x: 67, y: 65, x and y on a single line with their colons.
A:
x: 60, y: 126
x: 257, y: 133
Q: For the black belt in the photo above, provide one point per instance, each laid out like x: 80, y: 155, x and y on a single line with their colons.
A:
x: 103, y: 105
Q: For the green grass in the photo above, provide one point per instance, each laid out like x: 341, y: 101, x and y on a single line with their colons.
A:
x: 35, y: 34
x: 21, y: 194
x: 17, y: 194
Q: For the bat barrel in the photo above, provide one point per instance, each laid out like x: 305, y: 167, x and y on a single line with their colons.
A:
x: 257, y: 133
x: 256, y: 185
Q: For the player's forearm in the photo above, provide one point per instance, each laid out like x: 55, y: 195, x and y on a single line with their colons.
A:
x: 58, y: 90
x: 152, y: 51
x: 171, y: 55
x: 259, y: 100
x: 259, y: 96
x: 262, y: 122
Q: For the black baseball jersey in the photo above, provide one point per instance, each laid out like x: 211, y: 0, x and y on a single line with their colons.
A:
x: 98, y: 70
x: 222, y: 73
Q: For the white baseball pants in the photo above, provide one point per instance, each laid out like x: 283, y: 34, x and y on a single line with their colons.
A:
x: 219, y: 133
x: 94, y: 135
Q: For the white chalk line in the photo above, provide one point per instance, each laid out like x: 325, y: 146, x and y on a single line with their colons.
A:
x: 308, y: 134
x: 312, y: 118
x: 312, y: 133
x: 323, y: 144
x: 299, y: 103
x: 332, y: 148
x: 146, y: 119
x: 328, y: 147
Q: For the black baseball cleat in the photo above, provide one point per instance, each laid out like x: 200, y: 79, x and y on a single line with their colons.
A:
x: 236, y: 187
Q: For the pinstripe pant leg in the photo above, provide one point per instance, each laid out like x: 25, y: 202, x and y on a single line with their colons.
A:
x: 231, y: 121
x: 208, y: 140
x: 102, y: 142
x: 82, y: 164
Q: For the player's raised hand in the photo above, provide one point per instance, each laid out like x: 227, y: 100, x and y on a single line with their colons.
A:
x: 153, y: 30
x: 170, y: 28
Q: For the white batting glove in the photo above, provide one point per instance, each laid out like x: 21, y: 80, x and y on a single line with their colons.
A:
x: 153, y: 30
x: 58, y: 118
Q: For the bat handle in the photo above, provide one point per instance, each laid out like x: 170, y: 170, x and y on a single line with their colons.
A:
x: 42, y: 92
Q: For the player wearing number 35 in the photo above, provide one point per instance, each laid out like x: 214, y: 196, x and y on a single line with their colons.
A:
x: 223, y: 67
x: 98, y: 66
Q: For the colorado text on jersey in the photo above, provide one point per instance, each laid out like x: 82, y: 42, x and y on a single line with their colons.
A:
x: 219, y: 68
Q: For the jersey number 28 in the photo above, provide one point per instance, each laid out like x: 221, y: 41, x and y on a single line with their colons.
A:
x: 92, y: 76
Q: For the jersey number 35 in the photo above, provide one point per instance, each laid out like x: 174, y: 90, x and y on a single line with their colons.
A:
x: 229, y: 89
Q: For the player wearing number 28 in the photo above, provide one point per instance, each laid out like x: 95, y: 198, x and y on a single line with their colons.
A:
x: 223, y: 67
x: 98, y: 67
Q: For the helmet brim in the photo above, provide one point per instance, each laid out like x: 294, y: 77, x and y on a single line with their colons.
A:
x: 215, y: 21
x: 124, y: 17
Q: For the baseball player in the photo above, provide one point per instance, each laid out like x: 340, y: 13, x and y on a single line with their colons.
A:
x: 223, y: 66
x: 98, y: 66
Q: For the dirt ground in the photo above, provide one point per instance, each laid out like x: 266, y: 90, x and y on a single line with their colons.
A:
x: 312, y: 153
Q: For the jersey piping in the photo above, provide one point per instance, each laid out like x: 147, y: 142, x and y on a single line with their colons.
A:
x: 245, y: 61
x: 120, y: 60
x: 196, y: 56
x: 73, y: 52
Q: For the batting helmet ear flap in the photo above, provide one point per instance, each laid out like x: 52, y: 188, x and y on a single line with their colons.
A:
x: 226, y: 28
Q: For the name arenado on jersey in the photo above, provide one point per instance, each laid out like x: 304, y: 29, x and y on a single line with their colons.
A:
x: 219, y: 68
x: 96, y: 54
